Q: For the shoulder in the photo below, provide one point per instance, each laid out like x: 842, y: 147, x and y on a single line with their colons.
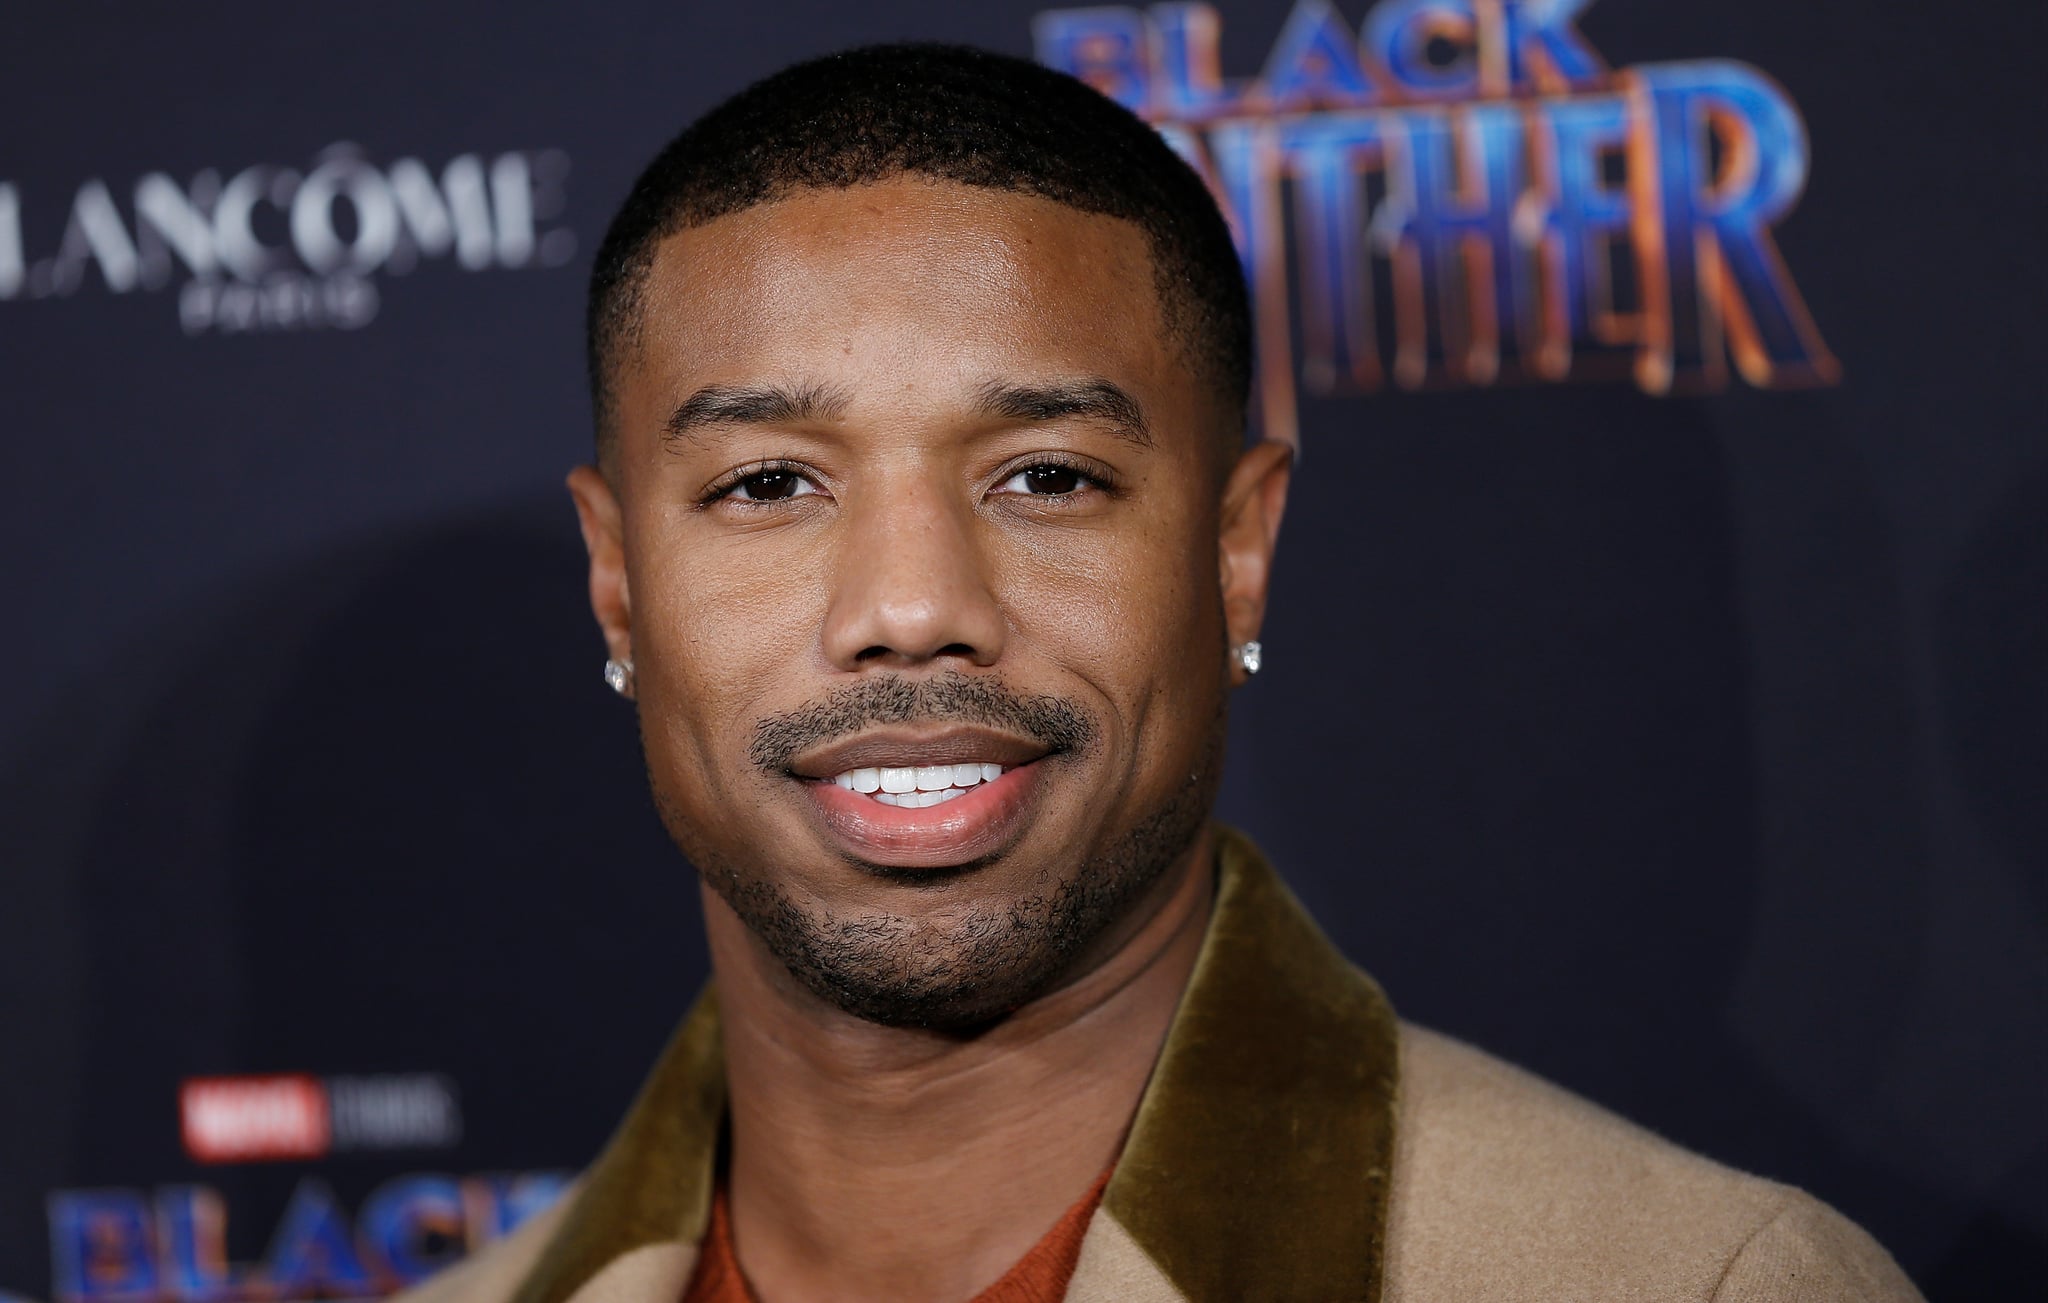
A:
x: 1507, y: 1187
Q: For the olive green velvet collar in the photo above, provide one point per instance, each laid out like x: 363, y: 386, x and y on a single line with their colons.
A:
x: 1257, y: 1164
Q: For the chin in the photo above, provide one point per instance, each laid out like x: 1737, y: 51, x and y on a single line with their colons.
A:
x: 958, y: 965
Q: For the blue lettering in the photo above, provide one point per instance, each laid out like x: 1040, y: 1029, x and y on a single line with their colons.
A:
x: 1398, y: 33
x: 314, y: 1251
x: 194, y: 1223
x: 1315, y: 63
x: 1189, y: 81
x: 1510, y: 240
x: 101, y: 1248
x: 1584, y: 215
x: 1247, y: 159
x: 1451, y: 218
x: 1326, y: 154
x: 1106, y: 47
x: 1723, y: 281
x: 1544, y: 48
x: 414, y: 1225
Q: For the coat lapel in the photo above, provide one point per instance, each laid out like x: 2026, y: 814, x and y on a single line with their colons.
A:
x: 631, y: 1233
x: 1258, y: 1161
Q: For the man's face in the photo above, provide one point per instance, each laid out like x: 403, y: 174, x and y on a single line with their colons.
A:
x: 913, y: 490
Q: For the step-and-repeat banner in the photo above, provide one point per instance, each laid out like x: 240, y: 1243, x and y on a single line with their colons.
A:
x: 1658, y: 687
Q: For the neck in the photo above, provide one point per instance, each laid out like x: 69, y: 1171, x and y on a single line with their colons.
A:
x: 871, y: 1162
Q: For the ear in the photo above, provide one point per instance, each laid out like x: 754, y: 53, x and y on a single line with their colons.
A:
x: 597, y: 510
x: 1254, y: 499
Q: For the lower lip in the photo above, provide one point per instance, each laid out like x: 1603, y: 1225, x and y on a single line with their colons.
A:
x: 966, y: 828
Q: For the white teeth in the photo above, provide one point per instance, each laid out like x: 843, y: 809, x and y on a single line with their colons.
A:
x: 899, y: 780
x: 913, y: 787
x: 919, y: 800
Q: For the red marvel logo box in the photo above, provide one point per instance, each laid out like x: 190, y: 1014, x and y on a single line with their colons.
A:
x: 254, y: 1119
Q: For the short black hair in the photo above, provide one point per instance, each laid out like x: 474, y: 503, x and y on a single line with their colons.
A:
x: 951, y: 113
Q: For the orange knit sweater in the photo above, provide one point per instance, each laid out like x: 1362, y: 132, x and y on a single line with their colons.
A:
x: 1040, y: 1276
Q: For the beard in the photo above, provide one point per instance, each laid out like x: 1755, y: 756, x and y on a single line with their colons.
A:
x: 956, y: 971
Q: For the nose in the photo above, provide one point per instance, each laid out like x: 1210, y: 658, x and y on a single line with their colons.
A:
x: 910, y: 586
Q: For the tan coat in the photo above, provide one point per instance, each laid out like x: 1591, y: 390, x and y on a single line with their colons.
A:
x: 1295, y: 1142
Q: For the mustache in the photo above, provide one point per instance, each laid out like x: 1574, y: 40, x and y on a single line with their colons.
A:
x: 951, y: 698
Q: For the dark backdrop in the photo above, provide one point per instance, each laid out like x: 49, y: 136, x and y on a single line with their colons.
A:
x: 1688, y: 750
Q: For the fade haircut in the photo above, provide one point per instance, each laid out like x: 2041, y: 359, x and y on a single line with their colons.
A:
x: 949, y: 113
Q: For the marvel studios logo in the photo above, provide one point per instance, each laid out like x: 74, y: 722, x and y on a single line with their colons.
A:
x: 285, y: 1116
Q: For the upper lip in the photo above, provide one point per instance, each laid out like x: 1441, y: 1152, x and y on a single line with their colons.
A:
x: 899, y: 746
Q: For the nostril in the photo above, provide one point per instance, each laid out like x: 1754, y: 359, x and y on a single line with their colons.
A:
x: 880, y: 651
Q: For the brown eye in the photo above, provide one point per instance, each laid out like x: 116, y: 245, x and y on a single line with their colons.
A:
x: 1047, y: 480
x: 772, y: 486
x: 1052, y: 479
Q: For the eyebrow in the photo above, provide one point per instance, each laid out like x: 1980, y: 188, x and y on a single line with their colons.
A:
x: 769, y: 404
x: 1097, y: 399
x: 777, y: 404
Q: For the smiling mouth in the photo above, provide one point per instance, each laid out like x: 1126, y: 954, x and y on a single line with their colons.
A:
x: 893, y: 797
x: 913, y: 787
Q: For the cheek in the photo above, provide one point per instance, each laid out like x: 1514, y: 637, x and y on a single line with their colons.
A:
x: 1135, y: 611
x: 717, y: 629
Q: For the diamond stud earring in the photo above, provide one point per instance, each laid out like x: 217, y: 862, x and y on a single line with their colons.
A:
x: 1249, y: 656
x: 619, y: 674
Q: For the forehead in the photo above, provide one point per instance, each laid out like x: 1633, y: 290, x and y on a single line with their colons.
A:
x: 946, y: 281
